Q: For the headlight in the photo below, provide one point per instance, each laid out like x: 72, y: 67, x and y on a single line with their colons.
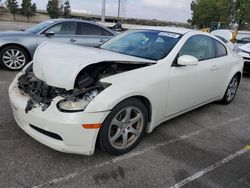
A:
x: 78, y: 103
x: 73, y: 106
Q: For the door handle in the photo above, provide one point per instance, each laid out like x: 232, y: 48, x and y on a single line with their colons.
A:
x: 72, y: 40
x: 214, y: 68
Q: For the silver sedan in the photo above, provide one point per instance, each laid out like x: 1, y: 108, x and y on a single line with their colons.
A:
x: 17, y: 48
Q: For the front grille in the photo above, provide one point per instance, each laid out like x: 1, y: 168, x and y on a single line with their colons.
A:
x: 47, y: 133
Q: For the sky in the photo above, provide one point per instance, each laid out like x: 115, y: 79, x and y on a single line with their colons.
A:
x: 167, y: 10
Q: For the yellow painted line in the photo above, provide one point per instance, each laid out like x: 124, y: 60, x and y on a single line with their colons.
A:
x: 247, y: 147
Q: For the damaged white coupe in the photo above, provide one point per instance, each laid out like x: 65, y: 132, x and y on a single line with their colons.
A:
x: 73, y: 98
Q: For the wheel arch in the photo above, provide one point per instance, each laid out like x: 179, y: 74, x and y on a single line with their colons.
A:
x: 144, y: 100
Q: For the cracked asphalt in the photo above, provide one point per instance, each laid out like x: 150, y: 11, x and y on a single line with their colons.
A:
x: 179, y: 149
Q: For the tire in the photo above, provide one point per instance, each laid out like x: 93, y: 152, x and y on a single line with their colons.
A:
x: 13, y: 58
x: 231, y: 90
x: 119, y: 125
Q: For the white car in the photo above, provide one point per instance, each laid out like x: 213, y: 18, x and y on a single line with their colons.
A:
x: 243, y: 47
x: 226, y: 36
x: 72, y: 97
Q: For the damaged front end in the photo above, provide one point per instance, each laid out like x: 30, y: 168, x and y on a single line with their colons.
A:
x: 87, y: 86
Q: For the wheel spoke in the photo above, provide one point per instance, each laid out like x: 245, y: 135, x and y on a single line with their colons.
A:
x: 6, y: 57
x: 117, y: 123
x: 12, y: 52
x: 127, y: 115
x: 17, y: 53
x: 124, y: 139
x: 134, y: 131
x: 116, y: 136
x: 135, y: 119
x: 8, y: 53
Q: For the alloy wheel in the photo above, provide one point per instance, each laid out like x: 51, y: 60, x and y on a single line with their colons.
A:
x: 13, y: 59
x: 126, y: 127
x: 232, y: 89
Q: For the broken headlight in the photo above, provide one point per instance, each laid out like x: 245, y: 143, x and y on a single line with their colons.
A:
x: 77, y: 103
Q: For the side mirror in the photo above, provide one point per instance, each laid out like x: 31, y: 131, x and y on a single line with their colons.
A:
x: 49, y: 33
x: 187, y: 60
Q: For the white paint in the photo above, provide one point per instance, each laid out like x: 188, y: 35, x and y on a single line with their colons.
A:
x: 210, y: 168
x: 137, y: 153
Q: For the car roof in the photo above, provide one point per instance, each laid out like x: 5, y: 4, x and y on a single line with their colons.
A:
x: 178, y: 30
x: 84, y: 21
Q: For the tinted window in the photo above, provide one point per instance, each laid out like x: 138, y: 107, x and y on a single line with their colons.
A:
x: 221, y: 38
x: 65, y: 28
x: 199, y: 46
x: 220, y: 49
x: 91, y: 29
x: 147, y: 44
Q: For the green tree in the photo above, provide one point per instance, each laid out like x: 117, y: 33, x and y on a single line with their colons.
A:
x: 66, y: 9
x: 242, y: 13
x: 27, y: 9
x: 12, y: 5
x: 33, y: 8
x: 227, y: 11
x: 53, y: 9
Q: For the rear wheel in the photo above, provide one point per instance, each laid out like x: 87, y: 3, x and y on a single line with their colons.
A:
x: 124, y: 127
x: 231, y: 90
x: 13, y: 58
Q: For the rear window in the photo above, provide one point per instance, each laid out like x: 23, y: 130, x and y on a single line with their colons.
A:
x: 220, y: 49
x: 91, y: 29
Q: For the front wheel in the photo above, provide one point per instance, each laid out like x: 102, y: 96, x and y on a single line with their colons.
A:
x: 231, y: 90
x: 13, y: 58
x: 124, y: 127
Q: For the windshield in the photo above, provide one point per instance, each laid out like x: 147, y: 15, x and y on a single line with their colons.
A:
x: 148, y: 44
x: 40, y: 26
x: 243, y: 38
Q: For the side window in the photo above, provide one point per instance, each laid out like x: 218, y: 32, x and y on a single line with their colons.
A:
x: 220, y: 49
x: 199, y: 46
x: 91, y: 29
x: 65, y: 28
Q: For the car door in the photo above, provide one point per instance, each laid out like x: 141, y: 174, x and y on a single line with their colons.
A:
x: 190, y: 86
x: 63, y: 32
x: 91, y: 34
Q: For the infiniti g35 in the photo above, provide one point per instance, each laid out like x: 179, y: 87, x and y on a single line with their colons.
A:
x: 71, y: 98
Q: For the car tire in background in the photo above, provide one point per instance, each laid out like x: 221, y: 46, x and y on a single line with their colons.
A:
x: 13, y: 58
x: 124, y: 127
x: 231, y: 90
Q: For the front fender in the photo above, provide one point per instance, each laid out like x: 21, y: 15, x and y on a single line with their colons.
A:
x: 111, y: 96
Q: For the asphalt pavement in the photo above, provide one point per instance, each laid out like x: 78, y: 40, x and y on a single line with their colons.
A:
x: 205, y: 148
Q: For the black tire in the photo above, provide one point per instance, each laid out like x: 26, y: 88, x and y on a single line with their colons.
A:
x: 226, y: 99
x: 104, y: 134
x: 22, y: 53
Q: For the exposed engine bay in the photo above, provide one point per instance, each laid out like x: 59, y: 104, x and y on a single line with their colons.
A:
x: 87, y: 86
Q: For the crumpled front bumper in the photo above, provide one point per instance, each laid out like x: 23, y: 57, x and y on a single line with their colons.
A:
x: 58, y: 130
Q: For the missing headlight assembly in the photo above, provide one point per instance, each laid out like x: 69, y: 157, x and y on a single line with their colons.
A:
x: 87, y: 86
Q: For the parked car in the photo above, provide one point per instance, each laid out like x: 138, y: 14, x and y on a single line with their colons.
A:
x: 70, y: 97
x: 17, y: 48
x: 243, y: 37
x: 227, y: 36
x: 244, y: 51
x: 240, y: 44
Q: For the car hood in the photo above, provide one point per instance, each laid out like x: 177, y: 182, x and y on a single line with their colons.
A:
x: 15, y: 33
x: 59, y: 64
x: 245, y: 47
